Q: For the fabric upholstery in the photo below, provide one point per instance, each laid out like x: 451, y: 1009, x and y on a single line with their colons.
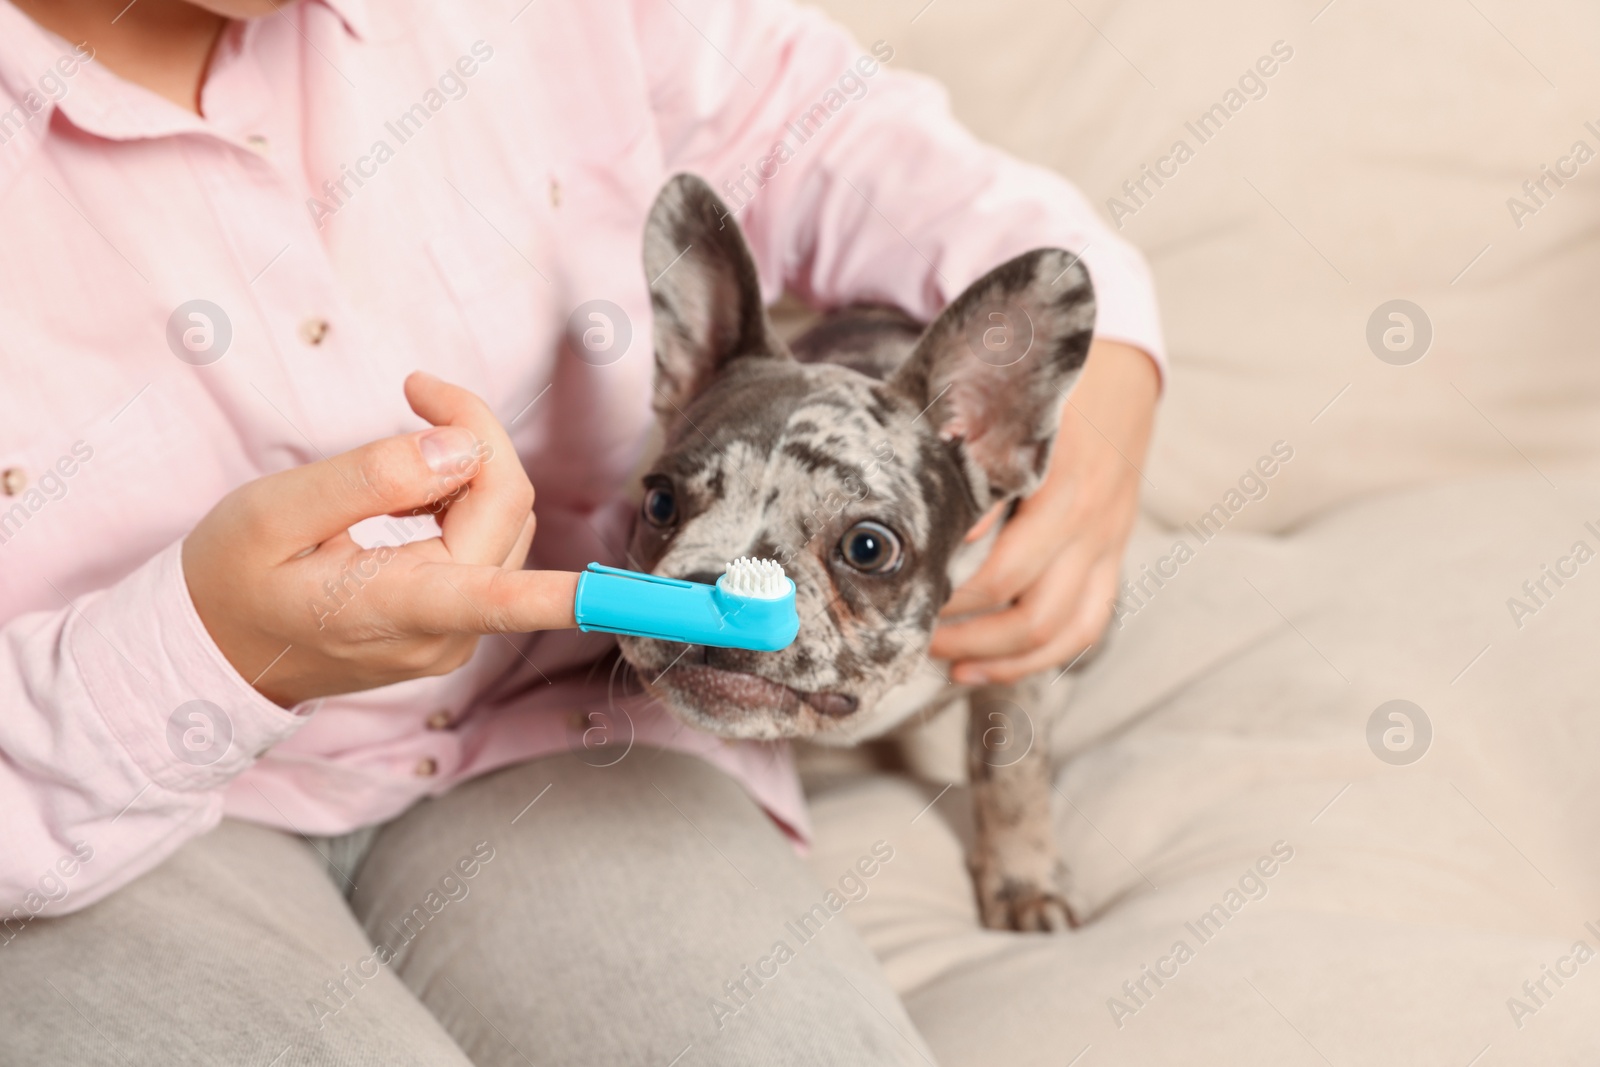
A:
x: 1230, y: 710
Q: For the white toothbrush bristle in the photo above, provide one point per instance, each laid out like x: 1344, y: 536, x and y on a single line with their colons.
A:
x: 760, y: 578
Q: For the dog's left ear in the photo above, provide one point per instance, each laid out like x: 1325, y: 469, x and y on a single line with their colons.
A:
x: 993, y: 370
x: 704, y: 292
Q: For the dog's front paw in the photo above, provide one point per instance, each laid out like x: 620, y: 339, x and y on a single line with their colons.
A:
x: 1025, y: 904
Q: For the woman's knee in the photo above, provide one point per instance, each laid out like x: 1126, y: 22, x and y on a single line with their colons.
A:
x: 619, y: 911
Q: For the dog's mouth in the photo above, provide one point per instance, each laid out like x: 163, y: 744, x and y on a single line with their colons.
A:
x: 694, y: 677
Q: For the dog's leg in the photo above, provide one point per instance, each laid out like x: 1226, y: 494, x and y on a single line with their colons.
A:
x: 1016, y: 866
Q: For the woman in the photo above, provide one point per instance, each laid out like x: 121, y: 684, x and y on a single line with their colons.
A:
x: 245, y: 797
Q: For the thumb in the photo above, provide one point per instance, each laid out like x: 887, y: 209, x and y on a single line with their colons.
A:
x: 298, y: 508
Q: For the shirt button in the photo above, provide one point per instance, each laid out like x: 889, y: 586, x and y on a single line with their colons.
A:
x: 439, y: 720
x: 314, y: 331
x: 258, y: 144
x: 426, y: 767
x: 555, y: 193
x: 13, y: 480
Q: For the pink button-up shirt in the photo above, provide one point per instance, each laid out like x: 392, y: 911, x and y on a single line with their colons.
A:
x: 370, y: 192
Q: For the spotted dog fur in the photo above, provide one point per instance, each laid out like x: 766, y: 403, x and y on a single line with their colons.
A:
x: 869, y: 419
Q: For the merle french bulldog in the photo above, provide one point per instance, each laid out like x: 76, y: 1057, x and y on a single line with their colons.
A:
x: 858, y: 457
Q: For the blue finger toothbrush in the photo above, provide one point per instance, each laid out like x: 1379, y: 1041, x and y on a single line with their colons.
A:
x: 751, y: 606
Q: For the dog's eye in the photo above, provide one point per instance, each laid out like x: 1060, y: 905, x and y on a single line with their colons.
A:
x: 660, y: 506
x: 870, y: 547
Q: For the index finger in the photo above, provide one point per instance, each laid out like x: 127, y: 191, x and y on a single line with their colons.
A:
x: 456, y: 598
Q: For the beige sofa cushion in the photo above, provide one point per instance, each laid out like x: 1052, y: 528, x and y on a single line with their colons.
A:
x: 1234, y: 714
x: 1376, y: 165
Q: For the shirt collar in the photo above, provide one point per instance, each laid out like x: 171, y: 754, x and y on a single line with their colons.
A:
x: 33, y: 87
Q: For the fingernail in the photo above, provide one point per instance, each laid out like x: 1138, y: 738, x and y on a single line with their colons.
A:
x: 971, y: 676
x: 447, y: 450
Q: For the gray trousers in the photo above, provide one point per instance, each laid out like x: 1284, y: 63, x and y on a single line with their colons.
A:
x: 627, y: 916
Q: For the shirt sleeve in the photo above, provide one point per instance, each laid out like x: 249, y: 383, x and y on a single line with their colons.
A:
x: 853, y: 181
x: 123, y: 724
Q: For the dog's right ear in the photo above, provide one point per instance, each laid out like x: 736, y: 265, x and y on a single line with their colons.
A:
x: 704, y: 291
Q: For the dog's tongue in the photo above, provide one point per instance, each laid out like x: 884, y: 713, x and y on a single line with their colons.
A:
x: 833, y: 705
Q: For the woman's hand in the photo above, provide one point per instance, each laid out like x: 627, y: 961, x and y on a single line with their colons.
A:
x: 302, y: 611
x: 1048, y: 586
